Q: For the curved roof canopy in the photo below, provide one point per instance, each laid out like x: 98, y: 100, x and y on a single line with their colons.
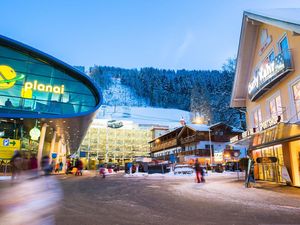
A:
x: 49, y: 91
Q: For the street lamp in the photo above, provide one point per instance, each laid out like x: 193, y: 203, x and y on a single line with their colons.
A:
x: 200, y: 120
x: 210, y: 149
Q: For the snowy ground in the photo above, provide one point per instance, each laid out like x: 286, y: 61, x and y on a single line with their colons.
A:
x: 157, y: 199
x: 229, y: 187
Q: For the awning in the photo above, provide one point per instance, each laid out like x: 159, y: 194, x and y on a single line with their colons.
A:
x: 277, y: 134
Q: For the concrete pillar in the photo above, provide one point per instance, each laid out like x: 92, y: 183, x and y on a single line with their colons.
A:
x: 52, y: 146
x: 41, y: 145
x: 64, y: 156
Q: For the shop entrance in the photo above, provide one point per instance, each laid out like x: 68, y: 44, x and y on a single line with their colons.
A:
x: 266, y: 170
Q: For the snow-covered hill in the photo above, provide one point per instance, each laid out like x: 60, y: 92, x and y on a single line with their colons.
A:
x: 144, y: 115
x: 121, y: 95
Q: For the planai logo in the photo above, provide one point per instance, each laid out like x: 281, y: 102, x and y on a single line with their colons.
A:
x: 8, y: 77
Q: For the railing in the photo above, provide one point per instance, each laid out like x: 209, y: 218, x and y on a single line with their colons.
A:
x: 193, y: 138
x: 164, y: 145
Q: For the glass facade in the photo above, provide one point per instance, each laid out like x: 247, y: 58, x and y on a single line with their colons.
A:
x: 269, y: 171
x: 29, y: 84
x: 119, y: 144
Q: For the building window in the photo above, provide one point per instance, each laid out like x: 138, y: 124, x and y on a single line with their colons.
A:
x: 207, y: 147
x: 257, y: 120
x: 283, y: 44
x: 271, y: 57
x: 275, y: 107
x: 296, y: 95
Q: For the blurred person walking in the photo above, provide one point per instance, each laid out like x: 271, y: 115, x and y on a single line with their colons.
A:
x: 60, y: 166
x: 202, y: 172
x: 79, y: 167
x: 16, y: 163
x: 46, y: 166
x: 102, y: 171
x: 33, y: 165
x: 198, y: 171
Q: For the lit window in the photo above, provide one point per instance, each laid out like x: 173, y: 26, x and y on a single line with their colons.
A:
x: 284, y: 44
x: 257, y: 120
x: 275, y: 107
x: 296, y: 92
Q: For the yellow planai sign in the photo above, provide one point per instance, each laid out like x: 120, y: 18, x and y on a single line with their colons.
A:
x: 8, y: 146
x: 43, y: 87
x: 8, y: 77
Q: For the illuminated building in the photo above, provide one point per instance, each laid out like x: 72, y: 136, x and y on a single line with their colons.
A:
x: 46, y: 106
x: 193, y: 141
x: 267, y: 85
x: 117, y: 145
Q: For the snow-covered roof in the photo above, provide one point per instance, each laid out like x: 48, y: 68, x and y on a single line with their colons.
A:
x: 287, y: 19
x: 288, y: 15
x: 233, y: 129
x: 198, y: 127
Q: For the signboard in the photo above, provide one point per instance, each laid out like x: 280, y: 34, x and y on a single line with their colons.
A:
x: 218, y: 157
x: 36, y: 86
x: 231, y: 154
x: 82, y: 154
x: 8, y: 77
x: 54, y: 155
x: 172, y: 158
x: 266, y: 160
x: 8, y: 146
x: 267, y: 75
x: 114, y: 124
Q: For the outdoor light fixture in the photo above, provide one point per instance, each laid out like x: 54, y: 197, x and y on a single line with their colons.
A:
x: 35, y: 133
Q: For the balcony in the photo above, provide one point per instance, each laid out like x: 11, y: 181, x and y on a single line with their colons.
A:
x: 163, y: 145
x: 194, y: 138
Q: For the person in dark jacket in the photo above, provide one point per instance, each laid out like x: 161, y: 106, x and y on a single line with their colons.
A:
x: 202, y: 174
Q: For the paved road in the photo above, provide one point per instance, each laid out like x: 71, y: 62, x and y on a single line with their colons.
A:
x: 168, y: 201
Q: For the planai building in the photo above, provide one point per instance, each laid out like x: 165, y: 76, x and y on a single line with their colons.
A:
x: 46, y: 105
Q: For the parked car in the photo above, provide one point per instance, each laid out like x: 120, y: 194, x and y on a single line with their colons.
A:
x: 219, y: 168
x: 183, y: 169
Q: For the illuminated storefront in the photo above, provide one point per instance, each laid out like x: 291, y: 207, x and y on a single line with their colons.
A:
x: 39, y: 91
x: 267, y: 84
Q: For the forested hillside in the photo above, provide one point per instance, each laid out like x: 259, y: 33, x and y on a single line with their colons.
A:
x: 206, y: 93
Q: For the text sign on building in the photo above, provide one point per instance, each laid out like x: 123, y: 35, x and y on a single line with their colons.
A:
x: 8, y: 78
x: 268, y: 74
x: 266, y: 160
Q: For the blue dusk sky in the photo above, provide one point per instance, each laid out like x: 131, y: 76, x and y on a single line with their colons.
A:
x: 170, y: 34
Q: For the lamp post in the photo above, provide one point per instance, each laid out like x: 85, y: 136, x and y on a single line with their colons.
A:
x: 209, y: 138
x: 106, y: 146
x: 210, y: 149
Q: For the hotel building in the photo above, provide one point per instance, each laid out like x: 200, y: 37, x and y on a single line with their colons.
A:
x: 267, y: 88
